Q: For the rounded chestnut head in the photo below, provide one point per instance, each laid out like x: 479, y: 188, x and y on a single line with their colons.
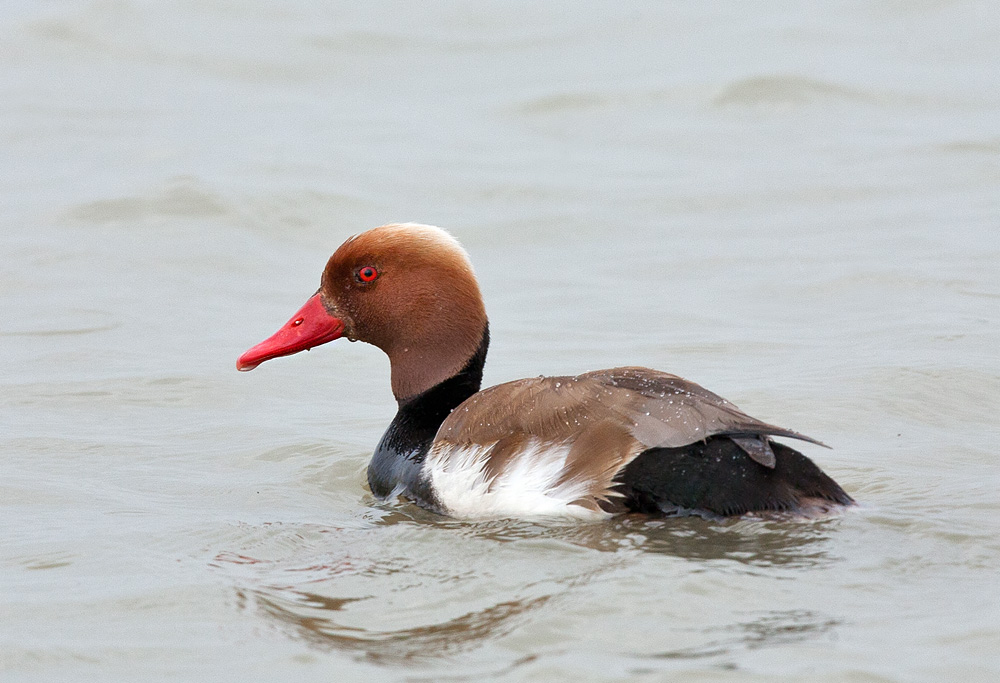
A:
x: 408, y: 289
x: 397, y: 285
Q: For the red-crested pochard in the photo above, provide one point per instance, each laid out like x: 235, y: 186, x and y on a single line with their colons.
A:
x: 610, y: 441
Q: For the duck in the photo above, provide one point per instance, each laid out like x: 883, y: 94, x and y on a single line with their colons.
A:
x: 594, y: 445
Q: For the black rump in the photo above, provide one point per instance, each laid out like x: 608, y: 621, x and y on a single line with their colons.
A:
x: 716, y: 478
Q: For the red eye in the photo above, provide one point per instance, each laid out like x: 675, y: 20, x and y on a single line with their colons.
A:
x: 367, y: 274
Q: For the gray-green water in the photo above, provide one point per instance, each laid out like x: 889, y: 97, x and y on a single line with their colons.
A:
x: 796, y: 206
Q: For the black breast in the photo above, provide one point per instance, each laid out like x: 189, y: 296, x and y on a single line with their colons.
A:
x: 399, y: 457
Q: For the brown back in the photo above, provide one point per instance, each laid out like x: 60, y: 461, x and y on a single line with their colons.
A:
x: 607, y: 417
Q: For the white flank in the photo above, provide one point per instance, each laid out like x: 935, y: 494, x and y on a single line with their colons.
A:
x: 526, y: 487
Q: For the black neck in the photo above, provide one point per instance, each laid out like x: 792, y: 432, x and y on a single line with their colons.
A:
x: 409, y: 436
x: 420, y: 416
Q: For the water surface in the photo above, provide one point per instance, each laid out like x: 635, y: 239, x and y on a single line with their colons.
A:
x: 796, y: 208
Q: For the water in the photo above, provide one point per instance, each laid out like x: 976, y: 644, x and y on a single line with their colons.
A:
x: 794, y: 206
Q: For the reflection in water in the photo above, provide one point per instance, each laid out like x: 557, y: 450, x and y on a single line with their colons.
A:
x: 338, y: 598
x: 747, y: 542
x: 314, y: 619
x: 335, y: 589
x: 770, y: 629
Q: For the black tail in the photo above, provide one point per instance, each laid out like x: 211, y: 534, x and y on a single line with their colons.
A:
x: 717, y: 478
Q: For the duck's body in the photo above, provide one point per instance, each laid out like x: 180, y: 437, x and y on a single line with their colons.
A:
x: 601, y: 443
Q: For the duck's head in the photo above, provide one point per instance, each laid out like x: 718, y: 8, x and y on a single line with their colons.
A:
x: 408, y: 289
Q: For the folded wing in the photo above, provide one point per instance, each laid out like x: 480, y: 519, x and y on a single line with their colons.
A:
x: 599, y: 421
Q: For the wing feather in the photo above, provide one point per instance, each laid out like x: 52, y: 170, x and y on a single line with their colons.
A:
x: 606, y: 417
